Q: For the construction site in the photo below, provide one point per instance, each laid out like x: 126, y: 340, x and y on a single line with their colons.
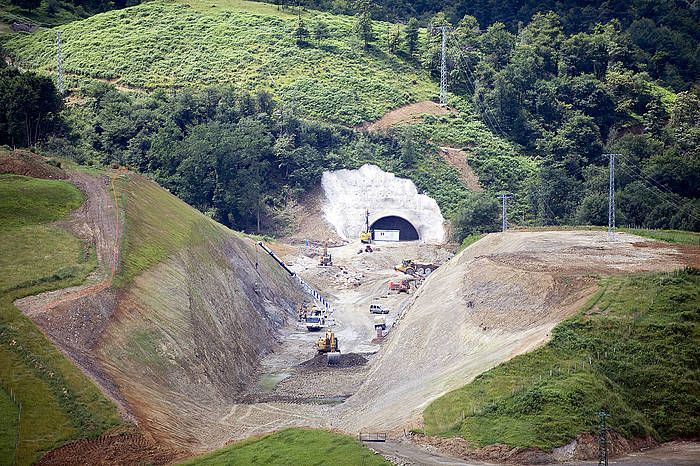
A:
x: 354, y: 325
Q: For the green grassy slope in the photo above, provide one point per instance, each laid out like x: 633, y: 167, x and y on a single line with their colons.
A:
x: 632, y: 351
x: 158, y: 225
x: 244, y: 44
x: 59, y: 403
x: 300, y: 447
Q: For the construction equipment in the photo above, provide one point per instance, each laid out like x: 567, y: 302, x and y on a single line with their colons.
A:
x: 379, y: 323
x: 410, y: 267
x: 328, y: 343
x: 366, y: 234
x: 400, y: 287
x: 326, y: 259
x: 378, y: 309
x: 315, y: 321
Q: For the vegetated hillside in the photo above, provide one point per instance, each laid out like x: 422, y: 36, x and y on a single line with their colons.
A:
x: 188, y: 316
x: 293, y: 446
x: 249, y: 45
x: 665, y: 31
x: 39, y: 13
x: 632, y: 352
x: 58, y: 402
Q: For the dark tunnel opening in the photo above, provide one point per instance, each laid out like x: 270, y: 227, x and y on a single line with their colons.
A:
x: 407, y: 232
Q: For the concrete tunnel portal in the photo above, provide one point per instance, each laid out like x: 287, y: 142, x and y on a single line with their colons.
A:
x: 407, y: 232
x: 394, y: 205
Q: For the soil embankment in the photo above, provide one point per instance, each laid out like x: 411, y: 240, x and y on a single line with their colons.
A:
x: 498, y: 298
x: 410, y: 113
x: 183, y: 336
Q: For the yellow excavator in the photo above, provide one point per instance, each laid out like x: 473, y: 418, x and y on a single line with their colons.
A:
x: 328, y: 343
x: 366, y: 234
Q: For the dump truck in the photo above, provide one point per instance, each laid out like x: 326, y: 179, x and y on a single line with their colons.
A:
x: 315, y: 321
x: 402, y: 286
x: 410, y: 267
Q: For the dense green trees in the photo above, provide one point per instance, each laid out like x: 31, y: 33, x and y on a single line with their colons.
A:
x: 29, y: 104
x: 479, y: 213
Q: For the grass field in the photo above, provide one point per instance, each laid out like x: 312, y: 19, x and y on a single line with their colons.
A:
x: 300, y: 447
x: 669, y: 236
x: 59, y: 403
x: 633, y: 351
x: 245, y: 44
x: 9, y: 413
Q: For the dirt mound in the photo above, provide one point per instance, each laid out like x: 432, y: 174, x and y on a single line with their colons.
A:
x: 121, y: 449
x: 346, y: 360
x: 407, y: 114
x: 499, y: 298
x: 25, y: 163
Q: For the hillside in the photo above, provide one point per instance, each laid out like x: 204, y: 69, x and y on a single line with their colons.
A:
x: 171, y: 332
x: 628, y: 351
x: 58, y: 402
x: 245, y: 44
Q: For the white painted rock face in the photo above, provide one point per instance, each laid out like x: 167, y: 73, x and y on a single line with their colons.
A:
x: 349, y: 192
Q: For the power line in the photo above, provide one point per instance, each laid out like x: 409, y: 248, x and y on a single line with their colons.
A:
x: 504, y: 214
x: 663, y: 196
x: 59, y: 66
x: 611, y: 196
x: 443, y: 63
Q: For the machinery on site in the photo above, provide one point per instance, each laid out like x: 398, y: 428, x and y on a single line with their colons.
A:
x: 403, y: 286
x: 315, y: 320
x: 379, y: 323
x: 328, y: 344
x: 366, y: 234
x: 326, y: 259
x: 410, y: 267
x: 378, y: 309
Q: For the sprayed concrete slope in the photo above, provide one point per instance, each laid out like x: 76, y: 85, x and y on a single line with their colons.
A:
x: 498, y: 298
x: 179, y: 337
x: 349, y: 192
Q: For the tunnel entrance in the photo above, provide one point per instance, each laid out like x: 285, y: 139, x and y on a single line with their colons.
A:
x: 407, y: 232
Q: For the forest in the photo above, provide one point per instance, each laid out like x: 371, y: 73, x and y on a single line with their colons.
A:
x: 545, y: 90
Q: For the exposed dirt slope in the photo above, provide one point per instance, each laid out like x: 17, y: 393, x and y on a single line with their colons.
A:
x: 407, y: 114
x: 185, y: 329
x: 458, y: 159
x: 22, y: 162
x: 498, y: 298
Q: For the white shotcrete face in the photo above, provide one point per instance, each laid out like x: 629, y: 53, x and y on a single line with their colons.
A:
x: 349, y: 192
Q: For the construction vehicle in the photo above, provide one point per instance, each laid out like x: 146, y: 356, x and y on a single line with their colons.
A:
x: 328, y: 344
x: 326, y: 259
x: 366, y: 234
x: 315, y: 321
x: 402, y: 286
x: 410, y: 267
x: 379, y: 323
x: 378, y: 309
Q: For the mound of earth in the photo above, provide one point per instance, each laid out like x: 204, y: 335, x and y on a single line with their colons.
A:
x: 410, y: 113
x: 21, y: 162
x: 498, y: 298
